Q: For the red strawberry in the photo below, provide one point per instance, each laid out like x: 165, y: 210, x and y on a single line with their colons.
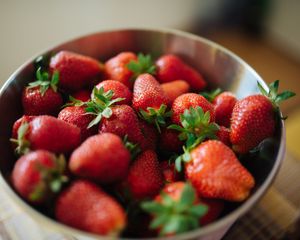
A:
x: 85, y: 206
x: 145, y: 177
x: 169, y: 172
x: 253, y: 118
x: 169, y: 141
x: 82, y: 95
x: 176, y: 209
x: 124, y: 121
x: 174, y: 89
x: 48, y: 133
x: 215, y: 208
x: 102, y: 157
x: 150, y: 100
x: 223, y: 134
x: 18, y: 123
x: 171, y: 68
x: 188, y: 100
x: 78, y: 117
x: 41, y: 97
x: 116, y: 68
x: 150, y: 134
x: 119, y: 90
x: 126, y: 67
x: 223, y: 105
x: 75, y: 71
x: 215, y: 172
x: 37, y: 175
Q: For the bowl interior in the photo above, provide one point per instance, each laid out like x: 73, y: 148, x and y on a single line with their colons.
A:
x: 219, y: 66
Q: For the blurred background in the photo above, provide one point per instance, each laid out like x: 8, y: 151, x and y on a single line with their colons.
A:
x: 265, y: 33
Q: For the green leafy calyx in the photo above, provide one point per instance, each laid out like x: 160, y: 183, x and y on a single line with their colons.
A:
x: 172, y: 216
x: 144, y: 64
x: 100, y: 105
x: 275, y: 97
x: 156, y: 116
x: 133, y: 148
x: 52, y: 179
x: 44, y: 82
x: 23, y: 145
x: 210, y: 96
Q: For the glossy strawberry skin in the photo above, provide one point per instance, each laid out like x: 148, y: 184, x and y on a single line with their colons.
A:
x: 85, y: 206
x: 116, y: 68
x: 169, y: 172
x: 221, y: 175
x: 120, y: 90
x: 147, y: 92
x: 224, y: 135
x: 169, y: 141
x: 253, y: 120
x: 188, y: 100
x: 75, y: 71
x: 123, y: 121
x: 52, y: 134
x: 102, y: 158
x: 223, y: 105
x: 150, y: 135
x: 34, y: 103
x: 174, y: 89
x: 78, y: 117
x: 171, y: 68
x: 145, y: 177
x: 17, y: 124
x: 82, y: 95
x: 26, y: 174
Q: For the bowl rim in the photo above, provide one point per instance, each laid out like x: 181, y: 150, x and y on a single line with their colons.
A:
x: 47, y: 222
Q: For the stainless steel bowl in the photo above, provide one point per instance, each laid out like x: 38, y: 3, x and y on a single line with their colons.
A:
x: 220, y: 68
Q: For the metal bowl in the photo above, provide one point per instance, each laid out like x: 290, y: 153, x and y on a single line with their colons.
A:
x: 219, y: 66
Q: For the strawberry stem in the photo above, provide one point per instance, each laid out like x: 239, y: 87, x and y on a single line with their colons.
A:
x: 144, y: 64
x: 44, y: 82
x: 156, y: 116
x: 175, y: 216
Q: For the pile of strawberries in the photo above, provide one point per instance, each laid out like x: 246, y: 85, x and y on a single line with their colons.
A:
x: 131, y: 147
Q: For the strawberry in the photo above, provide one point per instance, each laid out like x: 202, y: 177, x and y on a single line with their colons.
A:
x: 77, y: 116
x: 253, y: 118
x: 119, y: 89
x: 41, y: 97
x: 150, y: 100
x: 150, y: 134
x: 37, y: 175
x: 75, y: 71
x: 171, y: 68
x: 176, y: 210
x: 215, y: 208
x: 223, y: 134
x: 48, y: 133
x: 174, y: 89
x: 145, y: 177
x: 169, y: 141
x: 116, y: 68
x: 223, y: 105
x: 18, y: 123
x: 126, y: 66
x: 124, y: 121
x: 188, y: 100
x: 85, y: 206
x: 169, y: 172
x: 105, y: 164
x: 83, y: 95
x: 215, y: 172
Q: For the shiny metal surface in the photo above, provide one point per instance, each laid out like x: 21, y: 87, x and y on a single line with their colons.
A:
x: 219, y: 66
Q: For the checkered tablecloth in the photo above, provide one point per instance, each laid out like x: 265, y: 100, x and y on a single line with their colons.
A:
x: 274, y: 217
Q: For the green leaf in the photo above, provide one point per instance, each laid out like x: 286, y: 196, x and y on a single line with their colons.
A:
x: 187, y: 199
x: 39, y: 192
x: 178, y: 163
x: 210, y: 96
x: 261, y: 89
x: 274, y: 87
x: 55, y: 185
x: 95, y: 121
x: 107, y: 112
x: 174, y: 225
x: 159, y: 221
x: 153, y: 207
x: 284, y: 96
x: 198, y: 210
